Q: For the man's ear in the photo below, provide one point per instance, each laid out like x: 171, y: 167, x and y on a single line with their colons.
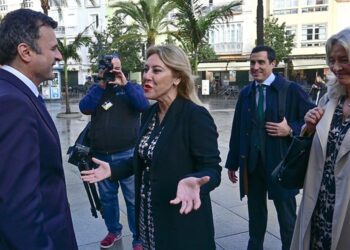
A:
x: 273, y: 63
x: 24, y: 52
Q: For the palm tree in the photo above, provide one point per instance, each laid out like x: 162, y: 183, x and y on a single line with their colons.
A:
x: 71, y: 51
x: 149, y: 16
x: 260, y: 23
x: 193, y: 24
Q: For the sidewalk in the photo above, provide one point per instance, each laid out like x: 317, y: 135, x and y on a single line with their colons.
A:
x: 230, y: 213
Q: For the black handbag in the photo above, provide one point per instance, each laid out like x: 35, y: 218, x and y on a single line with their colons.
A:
x: 290, y: 172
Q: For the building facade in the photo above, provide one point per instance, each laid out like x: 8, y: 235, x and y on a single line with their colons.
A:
x: 312, y: 22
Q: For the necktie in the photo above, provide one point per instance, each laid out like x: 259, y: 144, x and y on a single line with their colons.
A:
x: 260, y: 109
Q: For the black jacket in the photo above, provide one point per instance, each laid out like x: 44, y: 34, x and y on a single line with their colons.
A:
x: 187, y: 147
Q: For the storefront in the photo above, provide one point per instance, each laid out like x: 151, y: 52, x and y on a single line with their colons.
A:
x: 51, y: 90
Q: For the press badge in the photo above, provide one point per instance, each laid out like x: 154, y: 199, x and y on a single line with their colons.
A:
x: 106, y: 105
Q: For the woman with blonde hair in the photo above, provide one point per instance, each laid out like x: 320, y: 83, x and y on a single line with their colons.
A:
x: 176, y: 161
x: 324, y: 216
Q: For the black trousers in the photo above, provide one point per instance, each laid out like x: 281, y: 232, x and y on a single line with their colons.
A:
x: 257, y: 209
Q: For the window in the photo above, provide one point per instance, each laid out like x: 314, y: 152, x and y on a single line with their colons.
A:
x: 94, y: 20
x: 226, y: 38
x: 315, y: 2
x: 282, y: 7
x: 292, y: 30
x: 3, y: 5
x: 313, y: 35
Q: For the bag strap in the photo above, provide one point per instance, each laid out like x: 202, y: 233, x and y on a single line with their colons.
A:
x: 282, y: 96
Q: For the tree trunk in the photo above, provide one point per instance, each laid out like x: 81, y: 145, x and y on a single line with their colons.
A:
x: 65, y: 68
x: 45, y: 6
x: 260, y: 23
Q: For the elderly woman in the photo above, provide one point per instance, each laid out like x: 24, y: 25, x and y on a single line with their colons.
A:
x: 176, y: 161
x: 324, y: 217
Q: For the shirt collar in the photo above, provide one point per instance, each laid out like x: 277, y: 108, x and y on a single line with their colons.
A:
x: 23, y: 78
x: 268, y: 80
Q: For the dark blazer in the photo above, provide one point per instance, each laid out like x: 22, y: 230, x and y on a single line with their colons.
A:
x: 187, y: 147
x: 297, y: 105
x: 34, y: 210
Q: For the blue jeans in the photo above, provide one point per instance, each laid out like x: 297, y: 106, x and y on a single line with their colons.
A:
x: 109, y: 196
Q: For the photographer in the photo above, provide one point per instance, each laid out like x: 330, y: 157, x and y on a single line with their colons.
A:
x: 115, y: 105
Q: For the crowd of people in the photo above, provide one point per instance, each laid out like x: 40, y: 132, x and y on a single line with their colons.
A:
x: 165, y: 156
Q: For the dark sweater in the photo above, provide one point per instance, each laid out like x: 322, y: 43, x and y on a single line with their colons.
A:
x: 114, y: 129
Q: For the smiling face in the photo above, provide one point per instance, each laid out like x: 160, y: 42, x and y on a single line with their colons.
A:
x: 260, y: 66
x: 41, y: 64
x: 339, y: 64
x: 159, y: 82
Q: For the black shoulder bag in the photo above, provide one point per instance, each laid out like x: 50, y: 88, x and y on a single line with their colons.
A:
x: 290, y: 172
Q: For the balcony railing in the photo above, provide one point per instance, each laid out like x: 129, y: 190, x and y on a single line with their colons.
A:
x: 60, y: 30
x: 314, y: 9
x: 285, y: 11
x: 3, y: 7
x: 227, y: 48
x: 27, y: 5
x: 307, y: 44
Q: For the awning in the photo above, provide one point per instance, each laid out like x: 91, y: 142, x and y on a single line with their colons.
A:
x: 309, y: 64
x: 239, y: 65
x: 213, y: 66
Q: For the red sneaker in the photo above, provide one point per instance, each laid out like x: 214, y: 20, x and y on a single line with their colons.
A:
x: 109, y: 240
x: 137, y: 247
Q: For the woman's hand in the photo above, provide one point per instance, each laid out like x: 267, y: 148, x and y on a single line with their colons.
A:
x: 312, y: 117
x: 188, y: 193
x: 97, y: 174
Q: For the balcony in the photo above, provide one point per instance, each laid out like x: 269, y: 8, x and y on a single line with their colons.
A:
x: 60, y: 30
x: 314, y: 9
x: 228, y: 48
x: 310, y: 44
x: 27, y: 5
x: 3, y: 8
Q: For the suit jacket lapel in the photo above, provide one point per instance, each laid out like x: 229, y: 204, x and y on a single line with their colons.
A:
x: 12, y: 79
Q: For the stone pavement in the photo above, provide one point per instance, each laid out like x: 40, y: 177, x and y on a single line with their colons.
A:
x: 230, y: 213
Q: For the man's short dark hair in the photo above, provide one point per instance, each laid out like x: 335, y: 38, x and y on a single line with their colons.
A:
x: 21, y: 26
x: 271, y: 54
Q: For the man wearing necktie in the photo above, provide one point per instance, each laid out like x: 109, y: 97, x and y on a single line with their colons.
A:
x: 260, y: 138
x: 34, y: 209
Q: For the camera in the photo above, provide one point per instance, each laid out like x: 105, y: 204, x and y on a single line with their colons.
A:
x: 80, y: 156
x: 106, y: 64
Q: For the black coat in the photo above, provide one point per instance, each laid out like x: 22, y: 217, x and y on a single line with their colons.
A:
x: 297, y: 104
x: 187, y: 147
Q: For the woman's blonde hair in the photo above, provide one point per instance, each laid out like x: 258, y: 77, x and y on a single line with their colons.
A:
x: 176, y: 59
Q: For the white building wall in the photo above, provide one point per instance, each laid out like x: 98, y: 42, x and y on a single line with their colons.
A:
x: 74, y: 20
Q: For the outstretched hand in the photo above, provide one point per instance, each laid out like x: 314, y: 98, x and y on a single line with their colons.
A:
x: 188, y: 193
x: 97, y: 174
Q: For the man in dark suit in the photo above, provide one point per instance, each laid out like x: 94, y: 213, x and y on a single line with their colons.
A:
x: 34, y: 209
x: 260, y: 137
